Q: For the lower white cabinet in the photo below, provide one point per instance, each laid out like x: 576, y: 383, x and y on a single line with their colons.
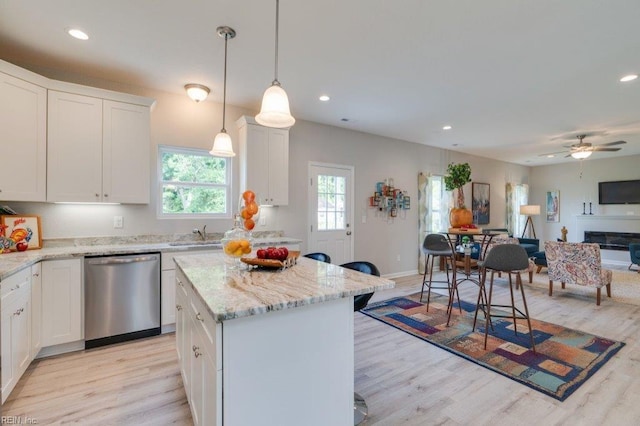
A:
x: 36, y: 309
x: 61, y: 301
x: 198, y: 339
x: 16, y: 329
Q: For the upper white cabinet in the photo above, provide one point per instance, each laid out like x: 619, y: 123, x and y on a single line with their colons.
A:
x: 98, y: 150
x: 23, y: 139
x: 264, y: 161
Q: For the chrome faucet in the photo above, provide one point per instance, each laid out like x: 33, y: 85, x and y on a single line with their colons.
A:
x: 202, y: 234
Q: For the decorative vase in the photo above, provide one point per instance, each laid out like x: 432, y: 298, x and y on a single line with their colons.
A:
x: 236, y: 243
x: 460, y: 216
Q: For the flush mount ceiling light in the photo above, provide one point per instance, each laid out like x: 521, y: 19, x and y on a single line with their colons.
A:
x: 76, y: 33
x: 629, y: 77
x: 222, y: 146
x: 324, y: 98
x: 581, y: 155
x: 447, y: 127
x: 197, y: 92
x: 275, y: 102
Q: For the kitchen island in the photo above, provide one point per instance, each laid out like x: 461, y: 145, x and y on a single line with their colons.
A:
x: 278, y: 344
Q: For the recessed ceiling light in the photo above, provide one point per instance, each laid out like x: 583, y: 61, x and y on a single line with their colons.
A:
x: 447, y: 127
x: 629, y: 77
x: 550, y: 156
x: 76, y: 33
x: 324, y: 98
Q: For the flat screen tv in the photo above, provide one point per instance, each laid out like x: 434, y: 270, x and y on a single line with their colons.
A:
x: 619, y: 192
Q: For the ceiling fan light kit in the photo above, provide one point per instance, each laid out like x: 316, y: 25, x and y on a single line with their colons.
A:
x: 581, y: 155
x: 582, y: 150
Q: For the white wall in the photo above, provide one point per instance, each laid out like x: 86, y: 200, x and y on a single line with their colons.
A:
x: 176, y: 120
x: 578, y: 182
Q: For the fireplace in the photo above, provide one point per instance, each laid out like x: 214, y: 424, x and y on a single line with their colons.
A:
x: 612, y: 240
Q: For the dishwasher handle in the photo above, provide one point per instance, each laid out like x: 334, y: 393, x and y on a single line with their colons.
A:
x: 123, y: 260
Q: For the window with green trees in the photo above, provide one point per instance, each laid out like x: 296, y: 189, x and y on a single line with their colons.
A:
x: 192, y: 183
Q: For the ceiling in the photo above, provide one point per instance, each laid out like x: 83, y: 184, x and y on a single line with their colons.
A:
x: 515, y: 79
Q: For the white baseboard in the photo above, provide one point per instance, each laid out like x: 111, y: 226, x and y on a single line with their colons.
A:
x: 401, y: 274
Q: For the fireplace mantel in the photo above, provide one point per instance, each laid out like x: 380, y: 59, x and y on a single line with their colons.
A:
x: 607, y: 217
x: 606, y: 223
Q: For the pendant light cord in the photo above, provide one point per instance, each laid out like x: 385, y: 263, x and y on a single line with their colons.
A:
x: 275, y: 80
x: 224, y: 90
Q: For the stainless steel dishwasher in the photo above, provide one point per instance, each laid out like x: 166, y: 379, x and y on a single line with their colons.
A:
x: 121, y: 298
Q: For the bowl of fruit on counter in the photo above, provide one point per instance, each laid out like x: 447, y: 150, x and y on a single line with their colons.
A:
x: 273, y: 258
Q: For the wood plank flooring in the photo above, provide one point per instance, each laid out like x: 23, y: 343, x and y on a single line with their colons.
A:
x: 404, y: 380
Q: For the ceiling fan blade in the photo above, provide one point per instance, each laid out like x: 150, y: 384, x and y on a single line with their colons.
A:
x: 551, y: 153
x: 613, y: 143
x: 599, y: 148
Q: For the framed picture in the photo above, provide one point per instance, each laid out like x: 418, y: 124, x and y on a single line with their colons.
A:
x: 20, y: 232
x: 553, y: 206
x: 480, y: 206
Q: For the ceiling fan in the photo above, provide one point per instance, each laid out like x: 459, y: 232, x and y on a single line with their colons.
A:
x: 582, y: 150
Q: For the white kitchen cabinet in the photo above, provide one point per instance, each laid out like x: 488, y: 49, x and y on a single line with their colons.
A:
x: 264, y: 161
x: 36, y: 309
x: 23, y: 120
x: 16, y: 329
x: 98, y: 150
x: 61, y: 301
x: 201, y: 363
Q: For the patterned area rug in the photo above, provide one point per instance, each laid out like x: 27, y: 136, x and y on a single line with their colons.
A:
x: 564, y: 360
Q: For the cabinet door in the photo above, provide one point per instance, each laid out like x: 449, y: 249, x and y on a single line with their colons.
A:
x: 74, y: 149
x: 16, y: 336
x: 125, y: 153
x: 23, y: 120
x: 36, y: 309
x: 255, y: 162
x: 168, y: 283
x: 61, y: 301
x: 278, y: 167
x: 195, y: 365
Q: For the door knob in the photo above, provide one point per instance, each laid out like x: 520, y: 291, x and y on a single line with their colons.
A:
x: 348, y: 232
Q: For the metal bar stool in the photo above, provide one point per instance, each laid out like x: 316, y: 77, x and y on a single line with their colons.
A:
x: 509, y: 258
x: 432, y: 246
x: 320, y: 257
x: 360, y: 409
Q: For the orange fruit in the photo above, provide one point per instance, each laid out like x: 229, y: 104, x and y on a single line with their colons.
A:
x: 248, y: 196
x: 246, y: 214
x: 249, y: 224
x: 252, y: 207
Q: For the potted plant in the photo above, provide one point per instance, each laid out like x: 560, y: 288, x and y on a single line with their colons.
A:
x: 457, y: 176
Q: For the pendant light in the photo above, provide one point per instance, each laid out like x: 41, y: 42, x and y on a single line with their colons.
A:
x: 222, y: 146
x: 275, y: 103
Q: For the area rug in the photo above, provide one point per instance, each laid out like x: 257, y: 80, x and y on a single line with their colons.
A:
x: 563, y: 361
x: 625, y: 287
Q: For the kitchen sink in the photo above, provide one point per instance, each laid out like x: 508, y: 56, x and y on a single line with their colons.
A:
x: 213, y: 243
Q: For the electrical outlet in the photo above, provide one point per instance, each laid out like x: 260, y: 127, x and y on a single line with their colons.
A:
x: 364, y: 219
x: 263, y: 221
x: 118, y: 222
x: 398, y: 258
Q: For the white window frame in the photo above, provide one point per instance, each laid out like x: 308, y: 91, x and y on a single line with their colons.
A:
x: 160, y: 183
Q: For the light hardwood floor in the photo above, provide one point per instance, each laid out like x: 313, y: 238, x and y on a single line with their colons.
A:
x: 404, y: 380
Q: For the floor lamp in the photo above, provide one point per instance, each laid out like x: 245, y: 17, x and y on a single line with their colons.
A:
x: 529, y: 210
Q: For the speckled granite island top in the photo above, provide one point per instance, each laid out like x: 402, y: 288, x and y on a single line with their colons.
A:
x: 230, y: 294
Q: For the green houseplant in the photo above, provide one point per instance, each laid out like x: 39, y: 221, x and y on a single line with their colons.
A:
x: 457, y: 176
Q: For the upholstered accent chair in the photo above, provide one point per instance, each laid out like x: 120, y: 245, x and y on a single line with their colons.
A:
x: 511, y: 240
x: 577, y: 263
x: 634, y: 252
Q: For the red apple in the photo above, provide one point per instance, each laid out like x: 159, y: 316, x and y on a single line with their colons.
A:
x: 22, y: 245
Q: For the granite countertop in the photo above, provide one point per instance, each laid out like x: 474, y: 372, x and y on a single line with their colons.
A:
x: 230, y: 294
x: 10, y: 263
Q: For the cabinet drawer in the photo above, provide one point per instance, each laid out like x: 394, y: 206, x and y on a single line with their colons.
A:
x: 15, y: 282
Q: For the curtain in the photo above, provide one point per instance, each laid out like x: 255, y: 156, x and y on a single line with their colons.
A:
x: 433, y: 209
x: 517, y: 194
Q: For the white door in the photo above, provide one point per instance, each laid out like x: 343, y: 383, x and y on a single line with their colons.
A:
x: 331, y: 211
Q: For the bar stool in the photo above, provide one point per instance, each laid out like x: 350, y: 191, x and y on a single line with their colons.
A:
x: 360, y: 409
x: 432, y: 246
x: 511, y: 259
x: 320, y: 257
